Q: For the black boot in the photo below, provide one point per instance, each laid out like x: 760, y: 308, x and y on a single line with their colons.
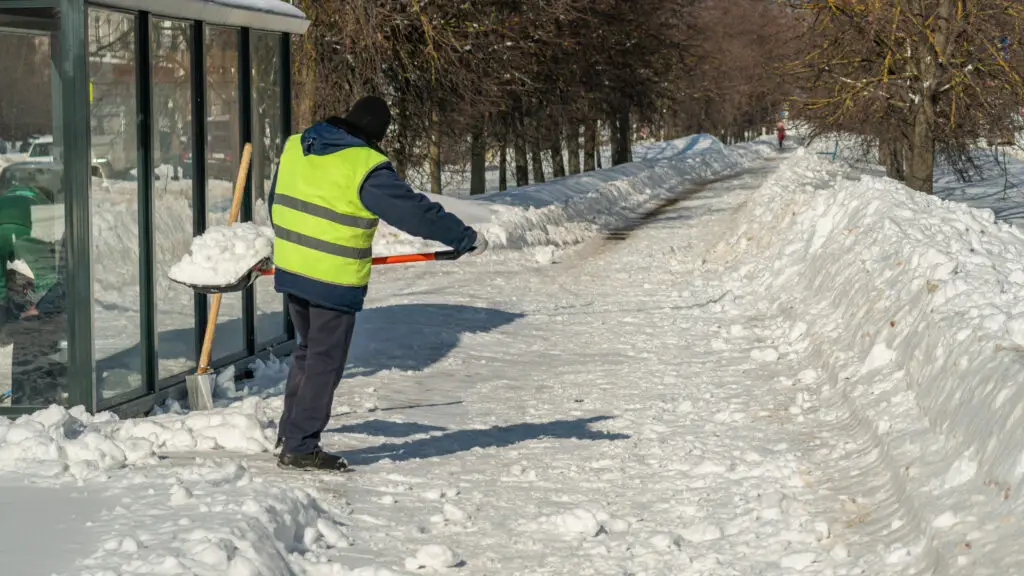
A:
x: 318, y: 460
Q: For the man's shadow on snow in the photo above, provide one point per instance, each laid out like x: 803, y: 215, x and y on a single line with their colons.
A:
x: 409, y: 337
x: 465, y: 440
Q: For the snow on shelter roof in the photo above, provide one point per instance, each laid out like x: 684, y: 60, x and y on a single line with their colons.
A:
x: 272, y: 15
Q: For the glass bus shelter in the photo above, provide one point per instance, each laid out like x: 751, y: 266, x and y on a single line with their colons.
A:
x: 121, y: 127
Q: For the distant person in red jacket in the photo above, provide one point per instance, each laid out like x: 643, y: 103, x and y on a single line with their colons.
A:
x: 781, y: 130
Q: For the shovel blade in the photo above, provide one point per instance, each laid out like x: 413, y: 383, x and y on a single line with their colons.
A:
x: 200, y: 391
x: 247, y: 279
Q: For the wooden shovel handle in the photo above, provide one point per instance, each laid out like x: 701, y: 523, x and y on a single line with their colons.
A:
x: 236, y: 207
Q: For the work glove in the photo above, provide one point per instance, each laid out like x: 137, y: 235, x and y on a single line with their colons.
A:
x: 479, y: 247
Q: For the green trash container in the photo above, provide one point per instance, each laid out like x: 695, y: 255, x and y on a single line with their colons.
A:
x: 16, y: 242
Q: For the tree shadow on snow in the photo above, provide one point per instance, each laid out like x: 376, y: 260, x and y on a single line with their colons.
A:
x: 408, y: 337
x: 496, y: 437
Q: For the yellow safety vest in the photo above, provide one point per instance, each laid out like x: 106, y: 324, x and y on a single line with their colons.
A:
x: 322, y: 230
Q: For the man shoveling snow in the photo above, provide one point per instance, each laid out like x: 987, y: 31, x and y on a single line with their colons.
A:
x: 333, y: 184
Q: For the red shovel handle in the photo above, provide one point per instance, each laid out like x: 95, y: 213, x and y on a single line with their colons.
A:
x: 404, y: 259
x: 399, y: 259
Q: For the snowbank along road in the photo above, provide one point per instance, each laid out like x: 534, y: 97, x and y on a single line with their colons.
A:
x: 793, y: 370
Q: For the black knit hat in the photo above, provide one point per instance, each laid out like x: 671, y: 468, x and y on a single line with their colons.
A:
x: 371, y: 116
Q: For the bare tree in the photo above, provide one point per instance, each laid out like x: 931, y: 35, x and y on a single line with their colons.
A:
x: 921, y: 77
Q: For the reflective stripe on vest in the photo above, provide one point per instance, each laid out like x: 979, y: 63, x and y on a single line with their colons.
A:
x: 322, y: 231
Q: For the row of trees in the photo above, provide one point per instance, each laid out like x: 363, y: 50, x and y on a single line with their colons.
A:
x: 535, y: 82
x: 919, y: 79
x: 529, y: 84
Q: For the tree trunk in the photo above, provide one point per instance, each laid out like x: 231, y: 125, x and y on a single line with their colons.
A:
x: 538, y: 161
x: 305, y: 89
x: 435, y: 153
x: 537, y: 158
x: 401, y: 157
x: 589, y: 142
x: 572, y: 139
x: 628, y: 131
x: 557, y: 160
x: 477, y: 163
x: 597, y: 142
x: 519, y: 149
x: 890, y: 155
x: 620, y: 138
x: 920, y: 162
x: 503, y: 166
x: 400, y: 166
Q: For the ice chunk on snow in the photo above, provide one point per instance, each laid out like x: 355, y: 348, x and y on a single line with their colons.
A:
x: 577, y: 521
x: 807, y: 376
x: 945, y: 520
x: 702, y: 532
x: 840, y: 552
x: 434, y: 556
x: 1015, y: 329
x: 224, y: 254
x: 454, y: 514
x: 961, y: 471
x: 879, y: 356
x: 764, y: 355
x: 798, y: 561
x: 180, y: 495
x: 664, y: 541
x: 332, y: 535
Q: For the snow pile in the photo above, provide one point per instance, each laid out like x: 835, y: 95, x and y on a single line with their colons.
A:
x: 573, y: 209
x: 390, y: 240
x: 229, y: 523
x: 242, y: 427
x: 55, y: 442
x: 914, y: 292
x: 223, y: 254
x: 60, y: 443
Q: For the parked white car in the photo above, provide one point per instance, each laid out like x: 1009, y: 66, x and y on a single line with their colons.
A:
x: 41, y: 149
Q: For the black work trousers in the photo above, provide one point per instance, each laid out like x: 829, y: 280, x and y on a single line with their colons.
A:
x: 324, y: 337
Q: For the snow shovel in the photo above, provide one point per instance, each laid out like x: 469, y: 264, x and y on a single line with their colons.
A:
x: 266, y: 268
x: 200, y: 385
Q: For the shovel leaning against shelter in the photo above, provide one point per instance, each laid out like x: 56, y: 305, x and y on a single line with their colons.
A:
x: 200, y: 385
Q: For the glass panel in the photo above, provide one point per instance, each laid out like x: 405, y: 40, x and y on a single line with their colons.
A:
x: 33, y: 333
x: 114, y: 203
x: 268, y: 142
x: 222, y: 156
x: 172, y: 191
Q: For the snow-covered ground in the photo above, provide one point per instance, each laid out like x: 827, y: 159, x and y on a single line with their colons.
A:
x: 795, y: 369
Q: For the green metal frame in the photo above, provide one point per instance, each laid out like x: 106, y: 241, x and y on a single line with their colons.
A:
x: 245, y: 111
x: 72, y: 57
x: 74, y: 62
